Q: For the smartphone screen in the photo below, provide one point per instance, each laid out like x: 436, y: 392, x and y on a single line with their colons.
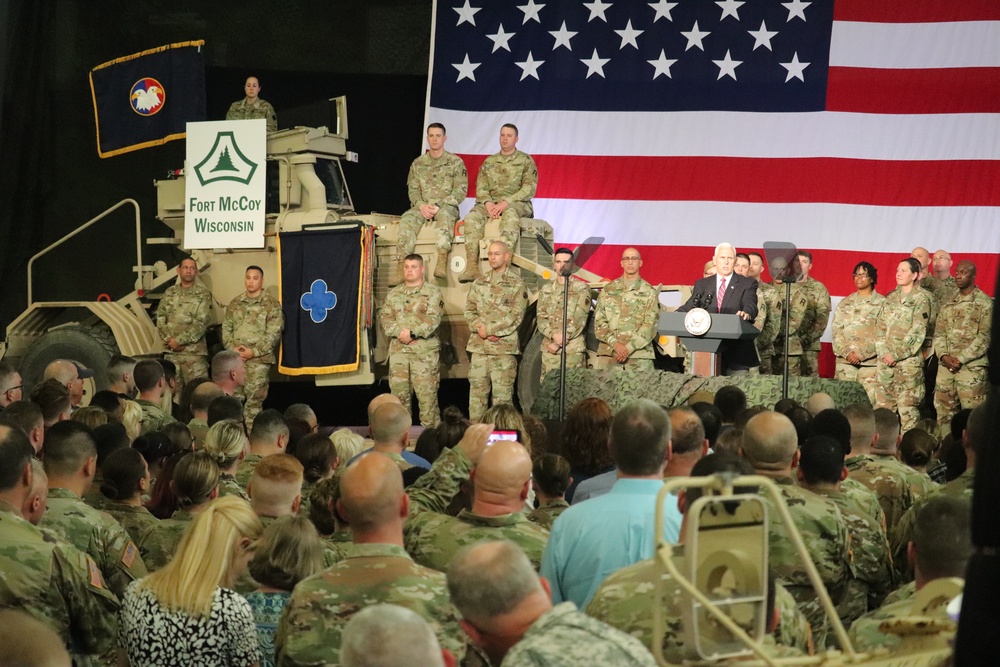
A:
x: 501, y: 435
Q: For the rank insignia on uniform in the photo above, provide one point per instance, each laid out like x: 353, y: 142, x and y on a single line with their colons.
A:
x: 129, y: 556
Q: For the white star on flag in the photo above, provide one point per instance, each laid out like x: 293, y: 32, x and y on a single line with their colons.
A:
x: 562, y: 36
x: 662, y: 65
x: 531, y: 11
x: 694, y: 37
x: 500, y: 39
x: 662, y: 9
x: 466, y: 69
x: 796, y: 8
x: 730, y: 8
x: 727, y: 66
x: 597, y: 8
x: 795, y: 68
x: 529, y: 67
x: 629, y: 35
x: 762, y: 37
x: 595, y: 64
x: 466, y: 13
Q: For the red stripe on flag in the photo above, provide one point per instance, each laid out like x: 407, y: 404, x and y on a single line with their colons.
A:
x: 915, y: 11
x: 682, y: 265
x: 914, y: 91
x: 833, y: 180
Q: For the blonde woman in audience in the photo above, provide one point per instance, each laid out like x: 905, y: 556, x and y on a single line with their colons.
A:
x: 505, y: 417
x: 288, y: 551
x: 227, y: 444
x: 91, y: 416
x: 347, y: 443
x: 186, y: 613
x: 132, y: 419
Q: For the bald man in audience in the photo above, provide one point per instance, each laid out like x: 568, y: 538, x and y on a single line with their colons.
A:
x: 819, y: 402
x: 68, y: 375
x: 687, y: 441
x: 375, y: 569
x: 387, y: 635
x: 201, y: 398
x: 390, y: 426
x: 501, y: 482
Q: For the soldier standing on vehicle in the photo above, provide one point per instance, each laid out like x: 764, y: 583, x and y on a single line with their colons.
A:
x: 626, y: 316
x: 251, y: 106
x: 494, y: 310
x: 506, y: 183
x: 437, y: 184
x: 410, y: 317
x: 550, y: 316
x: 181, y: 320
x: 253, y: 327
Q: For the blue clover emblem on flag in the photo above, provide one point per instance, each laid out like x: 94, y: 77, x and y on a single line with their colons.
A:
x: 318, y: 301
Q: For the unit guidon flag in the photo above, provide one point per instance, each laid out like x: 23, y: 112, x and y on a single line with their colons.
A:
x: 146, y: 99
x: 320, y: 281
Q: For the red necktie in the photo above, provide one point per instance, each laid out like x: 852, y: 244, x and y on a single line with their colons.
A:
x: 722, y: 292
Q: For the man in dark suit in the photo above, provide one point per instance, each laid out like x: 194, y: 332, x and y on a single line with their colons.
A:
x: 728, y: 293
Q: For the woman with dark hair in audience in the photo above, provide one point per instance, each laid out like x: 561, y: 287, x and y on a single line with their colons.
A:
x: 126, y: 481
x: 451, y: 429
x: 427, y: 446
x: 288, y: 551
x: 157, y: 448
x: 585, y: 441
x: 186, y: 613
x: 180, y: 436
x: 550, y: 478
x: 195, y: 483
x: 332, y: 527
x: 319, y: 459
x: 297, y: 429
x: 916, y: 450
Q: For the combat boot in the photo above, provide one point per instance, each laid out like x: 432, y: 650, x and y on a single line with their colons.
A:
x: 471, y: 264
x: 441, y: 264
x: 396, y: 276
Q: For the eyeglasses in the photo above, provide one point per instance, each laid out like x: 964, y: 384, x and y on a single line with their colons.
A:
x: 10, y: 389
x: 860, y: 275
x: 631, y: 259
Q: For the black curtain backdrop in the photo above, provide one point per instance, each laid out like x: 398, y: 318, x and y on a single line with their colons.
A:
x: 52, y: 181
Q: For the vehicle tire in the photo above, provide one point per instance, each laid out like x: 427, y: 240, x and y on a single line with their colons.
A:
x: 92, y: 347
x: 529, y: 372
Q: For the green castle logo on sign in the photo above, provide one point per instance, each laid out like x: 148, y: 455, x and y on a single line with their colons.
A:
x: 225, y: 162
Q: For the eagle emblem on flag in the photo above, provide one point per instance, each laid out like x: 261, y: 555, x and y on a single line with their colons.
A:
x: 147, y: 96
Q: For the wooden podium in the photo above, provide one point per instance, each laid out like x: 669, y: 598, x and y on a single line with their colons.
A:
x: 723, y: 331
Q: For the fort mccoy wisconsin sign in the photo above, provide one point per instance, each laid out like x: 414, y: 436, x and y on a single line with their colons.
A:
x: 225, y: 184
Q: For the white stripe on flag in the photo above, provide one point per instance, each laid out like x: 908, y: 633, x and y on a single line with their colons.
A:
x: 914, y: 45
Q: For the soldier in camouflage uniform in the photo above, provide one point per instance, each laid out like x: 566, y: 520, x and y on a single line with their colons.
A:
x: 151, y: 383
x: 253, y: 327
x: 903, y: 326
x: 961, y: 339
x: 798, y: 320
x: 436, y: 184
x: 251, y: 106
x: 816, y: 319
x: 410, y: 318
x: 50, y: 579
x: 494, y: 310
x: 855, y: 328
x: 941, y: 284
x: 626, y: 316
x: 374, y: 570
x: 70, y: 462
x: 770, y: 303
x: 506, y: 183
x: 181, y: 320
x: 550, y: 316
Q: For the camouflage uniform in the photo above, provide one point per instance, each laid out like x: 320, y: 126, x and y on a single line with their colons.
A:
x: 547, y: 513
x: 798, y: 321
x: 902, y: 329
x: 942, y: 289
x: 135, y: 519
x: 228, y: 486
x: 199, y: 429
x: 440, y: 182
x: 259, y: 109
x: 498, y: 301
x: 56, y: 583
x: 184, y: 314
x: 311, y: 624
x: 865, y: 498
x: 855, y: 328
x: 962, y: 331
x: 824, y: 532
x: 97, y: 534
x: 244, y: 471
x: 888, y: 483
x: 153, y: 418
x: 770, y: 303
x: 866, y: 634
x: 625, y: 600
x: 158, y: 544
x: 549, y: 320
x: 920, y: 484
x: 817, y: 317
x: 564, y: 637
x: 432, y: 539
x: 511, y: 178
x: 415, y: 368
x: 627, y: 313
x: 256, y: 324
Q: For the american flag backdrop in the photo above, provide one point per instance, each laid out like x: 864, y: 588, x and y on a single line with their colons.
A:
x: 856, y: 129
